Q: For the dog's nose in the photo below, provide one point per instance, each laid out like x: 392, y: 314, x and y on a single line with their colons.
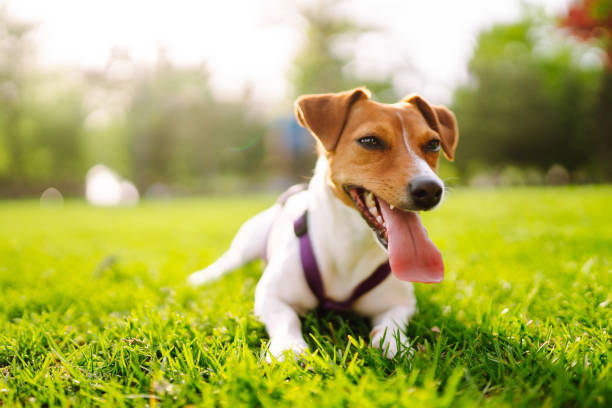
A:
x: 425, y: 191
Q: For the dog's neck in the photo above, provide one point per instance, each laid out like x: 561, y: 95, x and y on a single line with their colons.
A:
x: 345, y: 245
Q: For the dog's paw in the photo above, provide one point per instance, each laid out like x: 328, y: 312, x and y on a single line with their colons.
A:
x: 199, y: 278
x: 281, y: 347
x: 391, y: 343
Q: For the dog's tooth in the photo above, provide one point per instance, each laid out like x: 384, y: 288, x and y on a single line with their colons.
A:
x: 369, y: 199
x: 391, y: 206
x: 373, y: 210
x: 379, y: 219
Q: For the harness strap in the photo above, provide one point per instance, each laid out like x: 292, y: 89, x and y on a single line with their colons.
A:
x: 313, y: 275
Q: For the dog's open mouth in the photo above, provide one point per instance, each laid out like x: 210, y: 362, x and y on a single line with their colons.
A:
x: 369, y: 207
x: 412, y: 255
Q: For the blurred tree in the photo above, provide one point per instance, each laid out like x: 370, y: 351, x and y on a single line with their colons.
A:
x: 41, y: 118
x: 591, y: 20
x: 51, y: 133
x: 15, y: 50
x: 318, y: 67
x: 530, y: 100
x: 179, y: 134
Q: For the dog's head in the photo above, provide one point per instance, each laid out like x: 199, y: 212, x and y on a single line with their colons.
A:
x: 383, y: 161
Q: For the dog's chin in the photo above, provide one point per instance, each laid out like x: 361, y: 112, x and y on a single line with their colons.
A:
x: 368, y: 206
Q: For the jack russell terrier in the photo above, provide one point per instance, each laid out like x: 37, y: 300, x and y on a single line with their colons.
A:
x: 334, y: 244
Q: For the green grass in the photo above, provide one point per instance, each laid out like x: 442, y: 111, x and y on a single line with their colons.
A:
x: 95, y: 310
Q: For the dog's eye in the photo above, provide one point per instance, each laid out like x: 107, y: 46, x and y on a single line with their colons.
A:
x: 432, y: 146
x: 371, y: 143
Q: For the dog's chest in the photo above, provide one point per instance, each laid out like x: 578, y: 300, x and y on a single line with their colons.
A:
x: 346, y: 252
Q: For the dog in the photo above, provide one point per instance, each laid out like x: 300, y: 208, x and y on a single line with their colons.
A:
x: 377, y: 167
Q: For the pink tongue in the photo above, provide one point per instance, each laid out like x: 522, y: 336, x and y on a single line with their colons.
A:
x: 412, y: 255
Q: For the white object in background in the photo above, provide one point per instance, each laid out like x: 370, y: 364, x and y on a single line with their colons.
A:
x: 51, y: 198
x: 104, y: 187
x: 129, y: 193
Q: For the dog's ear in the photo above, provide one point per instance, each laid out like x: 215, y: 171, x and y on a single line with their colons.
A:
x: 325, y: 114
x: 440, y: 119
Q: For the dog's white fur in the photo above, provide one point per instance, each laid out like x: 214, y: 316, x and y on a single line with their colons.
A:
x: 346, y: 251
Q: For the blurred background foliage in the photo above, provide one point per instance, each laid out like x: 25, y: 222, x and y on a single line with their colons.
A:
x: 530, y: 102
x: 321, y: 65
x: 537, y: 108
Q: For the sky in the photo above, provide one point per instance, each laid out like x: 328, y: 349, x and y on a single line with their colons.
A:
x: 423, y: 45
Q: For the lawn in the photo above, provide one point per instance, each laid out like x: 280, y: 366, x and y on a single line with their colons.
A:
x: 95, y: 310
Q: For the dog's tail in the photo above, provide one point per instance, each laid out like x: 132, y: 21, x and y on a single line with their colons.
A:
x: 248, y: 244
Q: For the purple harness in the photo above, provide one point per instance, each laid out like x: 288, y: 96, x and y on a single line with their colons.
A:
x: 313, y: 275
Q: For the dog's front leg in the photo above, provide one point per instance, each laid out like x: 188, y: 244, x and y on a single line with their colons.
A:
x: 282, y: 324
x: 388, y: 330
